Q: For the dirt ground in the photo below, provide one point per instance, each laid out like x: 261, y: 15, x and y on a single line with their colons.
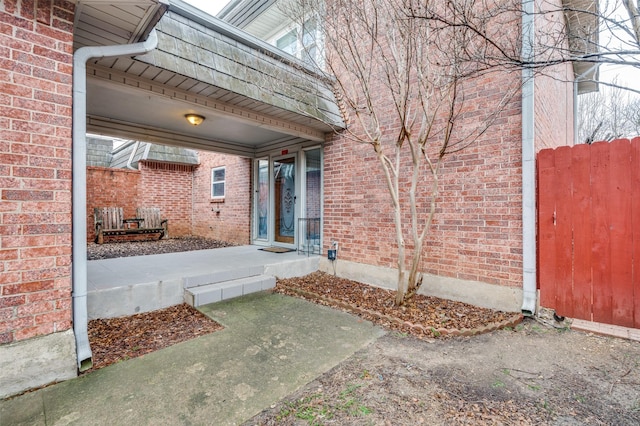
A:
x: 530, y: 375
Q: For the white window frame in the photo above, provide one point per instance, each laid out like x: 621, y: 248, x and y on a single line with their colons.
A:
x: 223, y: 182
x: 291, y: 29
x: 300, y: 48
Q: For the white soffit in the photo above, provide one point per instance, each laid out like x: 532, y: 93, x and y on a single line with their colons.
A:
x: 104, y: 23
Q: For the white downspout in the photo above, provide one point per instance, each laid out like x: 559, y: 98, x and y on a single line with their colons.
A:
x: 132, y: 156
x: 529, y: 285
x: 79, y: 183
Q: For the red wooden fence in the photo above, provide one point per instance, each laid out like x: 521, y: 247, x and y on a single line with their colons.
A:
x: 589, y: 231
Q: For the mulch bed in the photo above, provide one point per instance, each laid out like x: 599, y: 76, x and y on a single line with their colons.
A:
x: 422, y: 317
x: 118, y: 339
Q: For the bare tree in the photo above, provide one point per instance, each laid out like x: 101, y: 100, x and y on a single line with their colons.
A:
x: 608, y: 114
x: 633, y: 117
x: 401, y: 84
x: 634, y: 17
x: 594, y: 33
x: 419, y: 55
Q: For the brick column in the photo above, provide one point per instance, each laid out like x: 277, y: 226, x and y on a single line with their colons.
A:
x: 35, y: 168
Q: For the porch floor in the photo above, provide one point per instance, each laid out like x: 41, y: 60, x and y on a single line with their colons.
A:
x: 128, y: 285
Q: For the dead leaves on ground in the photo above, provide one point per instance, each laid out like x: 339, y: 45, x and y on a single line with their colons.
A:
x: 431, y: 312
x: 117, y: 339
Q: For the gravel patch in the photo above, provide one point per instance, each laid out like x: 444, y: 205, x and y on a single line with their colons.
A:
x: 142, y: 248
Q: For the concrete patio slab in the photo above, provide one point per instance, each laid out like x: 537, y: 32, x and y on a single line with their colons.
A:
x: 128, y: 285
x: 271, y: 346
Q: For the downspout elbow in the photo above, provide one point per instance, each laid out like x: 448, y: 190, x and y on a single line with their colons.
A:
x: 132, y: 156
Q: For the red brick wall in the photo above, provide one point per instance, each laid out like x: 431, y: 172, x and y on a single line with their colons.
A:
x: 477, y: 232
x: 167, y: 186
x: 233, y: 222
x: 553, y: 100
x: 182, y: 193
x: 35, y: 168
x: 111, y: 188
x: 553, y: 107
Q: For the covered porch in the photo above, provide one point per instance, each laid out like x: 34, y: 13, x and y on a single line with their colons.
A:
x: 256, y: 102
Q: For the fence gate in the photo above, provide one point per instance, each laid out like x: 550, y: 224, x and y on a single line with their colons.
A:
x: 589, y: 231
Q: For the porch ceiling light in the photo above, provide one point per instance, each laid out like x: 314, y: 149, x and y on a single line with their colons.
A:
x: 194, y: 119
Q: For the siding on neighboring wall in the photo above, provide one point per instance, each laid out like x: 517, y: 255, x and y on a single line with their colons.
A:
x: 99, y: 152
x: 233, y: 222
x: 35, y: 168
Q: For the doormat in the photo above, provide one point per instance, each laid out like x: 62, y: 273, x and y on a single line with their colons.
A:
x: 277, y: 249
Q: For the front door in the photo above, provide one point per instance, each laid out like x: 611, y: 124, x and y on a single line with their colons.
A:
x: 284, y: 178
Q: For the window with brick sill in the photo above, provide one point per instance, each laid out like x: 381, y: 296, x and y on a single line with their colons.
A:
x: 217, y: 184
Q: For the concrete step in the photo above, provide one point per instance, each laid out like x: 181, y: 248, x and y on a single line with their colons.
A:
x: 222, y: 276
x: 215, y: 292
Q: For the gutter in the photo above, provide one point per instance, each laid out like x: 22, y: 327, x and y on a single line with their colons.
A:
x: 529, y: 282
x: 79, y: 183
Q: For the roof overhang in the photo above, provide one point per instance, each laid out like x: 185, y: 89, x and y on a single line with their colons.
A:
x: 253, y: 98
x: 105, y: 23
x: 241, y: 13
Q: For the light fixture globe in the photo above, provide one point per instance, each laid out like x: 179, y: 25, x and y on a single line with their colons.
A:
x: 194, y: 119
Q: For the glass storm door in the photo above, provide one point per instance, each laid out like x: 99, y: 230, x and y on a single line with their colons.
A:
x: 261, y: 201
x: 284, y: 178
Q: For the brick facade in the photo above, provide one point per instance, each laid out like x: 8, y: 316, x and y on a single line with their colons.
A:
x: 108, y: 187
x: 228, y: 219
x: 553, y: 102
x: 167, y: 186
x: 183, y: 194
x: 477, y: 232
x: 35, y: 168
x: 476, y: 235
x: 554, y: 108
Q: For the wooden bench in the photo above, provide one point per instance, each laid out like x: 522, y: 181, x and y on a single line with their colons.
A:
x: 110, y: 221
